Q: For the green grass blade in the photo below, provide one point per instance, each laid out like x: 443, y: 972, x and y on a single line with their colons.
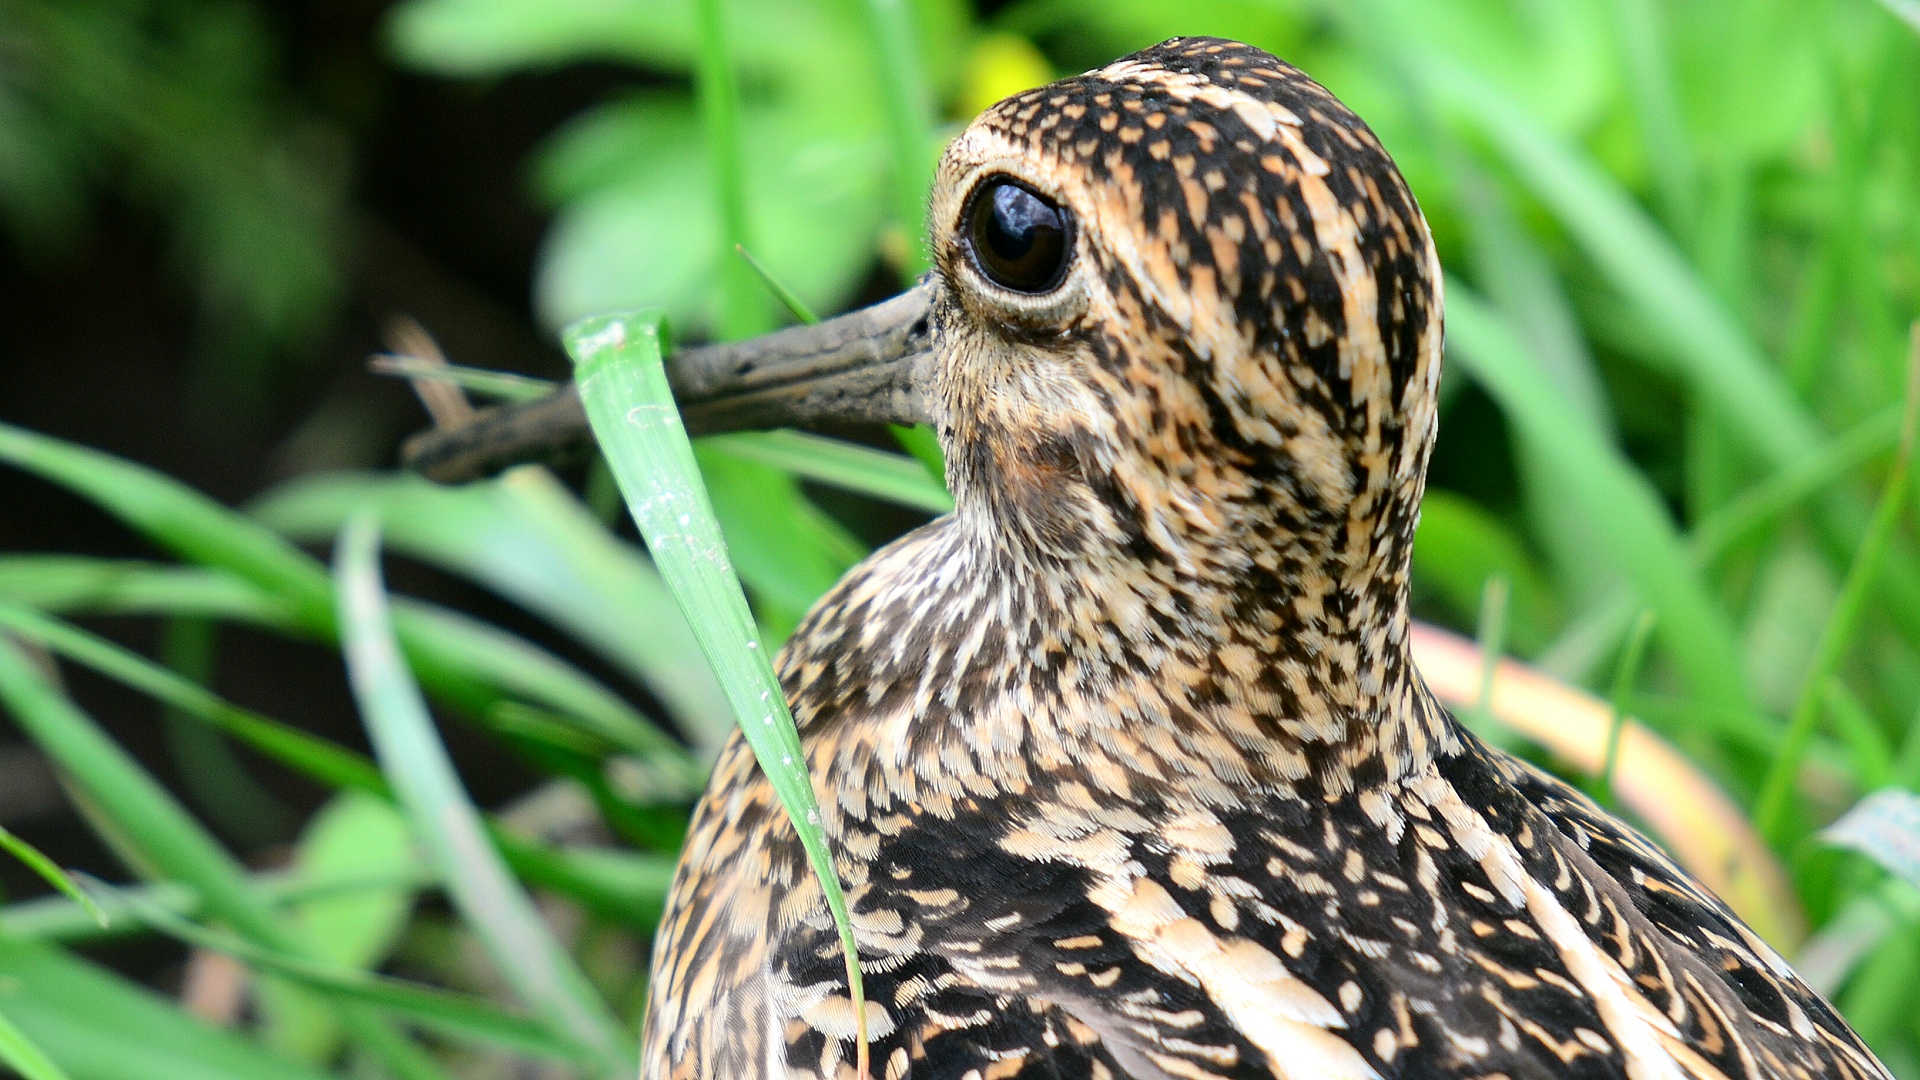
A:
x: 774, y: 285
x: 79, y: 584
x: 1872, y: 755
x: 623, y: 886
x: 478, y: 666
x: 909, y: 112
x: 1644, y: 266
x: 471, y: 1019
x: 146, y: 817
x: 893, y: 478
x: 618, y: 368
x: 743, y: 312
x: 1649, y: 81
x: 100, y: 1026
x: 177, y: 517
x: 20, y: 1053
x: 1627, y: 517
x: 528, y: 538
x: 1836, y: 636
x: 1491, y: 636
x: 57, y: 919
x: 1805, y: 480
x: 920, y: 441
x: 784, y: 548
x: 491, y: 902
x: 459, y: 659
x: 1625, y: 677
x: 1907, y: 11
x: 50, y: 872
x: 325, y: 761
x: 504, y: 385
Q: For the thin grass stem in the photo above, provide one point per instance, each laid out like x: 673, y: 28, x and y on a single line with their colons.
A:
x: 1624, y: 678
x: 1836, y: 637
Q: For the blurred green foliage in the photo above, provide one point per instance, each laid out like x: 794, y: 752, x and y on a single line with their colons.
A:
x: 1683, y: 248
x: 176, y: 107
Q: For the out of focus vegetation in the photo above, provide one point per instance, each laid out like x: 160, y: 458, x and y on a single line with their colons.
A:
x: 1683, y: 246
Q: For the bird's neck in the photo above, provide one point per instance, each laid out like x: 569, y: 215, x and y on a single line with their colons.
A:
x: 1221, y: 641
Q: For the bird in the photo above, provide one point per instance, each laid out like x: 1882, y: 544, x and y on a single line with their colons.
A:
x: 1125, y: 763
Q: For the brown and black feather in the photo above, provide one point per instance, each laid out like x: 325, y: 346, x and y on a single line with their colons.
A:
x: 1126, y: 763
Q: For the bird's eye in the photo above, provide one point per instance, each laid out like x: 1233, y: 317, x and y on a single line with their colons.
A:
x: 1018, y: 236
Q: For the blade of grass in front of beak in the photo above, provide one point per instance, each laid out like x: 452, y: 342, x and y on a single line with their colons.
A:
x: 617, y: 365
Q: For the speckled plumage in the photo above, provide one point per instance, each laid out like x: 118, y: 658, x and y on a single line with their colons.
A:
x: 1126, y: 762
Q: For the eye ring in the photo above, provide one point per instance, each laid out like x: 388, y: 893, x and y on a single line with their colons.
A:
x: 1016, y: 237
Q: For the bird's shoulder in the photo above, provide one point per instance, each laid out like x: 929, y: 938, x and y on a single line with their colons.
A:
x: 1479, y: 919
x: 1734, y: 997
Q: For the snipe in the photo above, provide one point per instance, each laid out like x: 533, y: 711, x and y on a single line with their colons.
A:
x: 1128, y: 767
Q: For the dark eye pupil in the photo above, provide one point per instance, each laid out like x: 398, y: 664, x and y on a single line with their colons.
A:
x: 1018, y: 237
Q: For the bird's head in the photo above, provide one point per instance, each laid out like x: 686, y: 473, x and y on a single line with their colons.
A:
x: 1187, y: 307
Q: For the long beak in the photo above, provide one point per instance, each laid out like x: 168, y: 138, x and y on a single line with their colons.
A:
x: 867, y: 366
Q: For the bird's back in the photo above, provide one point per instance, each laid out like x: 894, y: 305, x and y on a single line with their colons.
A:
x: 1475, y: 919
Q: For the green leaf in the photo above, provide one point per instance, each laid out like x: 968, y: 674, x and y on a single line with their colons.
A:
x: 158, y: 833
x: 50, y: 873
x: 528, y: 538
x: 24, y: 1057
x: 490, y: 901
x: 618, y: 367
x: 353, y: 835
x: 99, y: 1026
x: 1842, y: 623
x: 894, y: 478
x: 462, y: 660
x: 716, y: 90
x: 324, y: 761
x: 1643, y: 266
x: 80, y: 584
x: 1459, y: 545
x: 908, y: 108
x: 178, y: 518
x: 468, y: 1018
x: 505, y: 385
x: 786, y: 550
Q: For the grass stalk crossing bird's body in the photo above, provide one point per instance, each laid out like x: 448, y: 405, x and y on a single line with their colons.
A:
x: 1126, y: 762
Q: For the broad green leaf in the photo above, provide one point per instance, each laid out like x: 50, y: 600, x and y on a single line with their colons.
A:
x: 489, y: 899
x: 353, y: 835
